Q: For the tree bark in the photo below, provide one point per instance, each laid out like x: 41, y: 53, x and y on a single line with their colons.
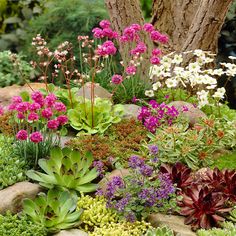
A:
x: 190, y: 24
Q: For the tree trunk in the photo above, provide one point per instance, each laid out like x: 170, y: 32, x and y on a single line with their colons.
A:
x: 190, y: 24
x: 124, y: 13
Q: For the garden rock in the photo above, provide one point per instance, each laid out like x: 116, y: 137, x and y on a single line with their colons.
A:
x: 118, y: 172
x: 99, y: 92
x: 8, y: 92
x: 72, y: 232
x: 131, y: 111
x: 11, y: 198
x: 192, y: 113
x: 176, y: 223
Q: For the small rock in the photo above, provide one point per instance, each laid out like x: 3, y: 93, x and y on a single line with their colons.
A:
x: 131, y: 111
x: 192, y: 113
x: 8, y: 92
x: 11, y: 198
x: 118, y: 172
x: 176, y: 223
x: 99, y: 92
x: 72, y: 232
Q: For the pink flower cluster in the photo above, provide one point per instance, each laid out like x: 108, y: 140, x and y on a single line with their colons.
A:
x: 105, y: 31
x: 43, y: 110
x: 106, y: 49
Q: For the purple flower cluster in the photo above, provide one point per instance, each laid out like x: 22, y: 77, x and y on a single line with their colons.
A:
x: 99, y: 165
x: 166, y: 186
x: 156, y: 115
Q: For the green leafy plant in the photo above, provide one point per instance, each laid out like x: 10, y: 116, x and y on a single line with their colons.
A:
x: 198, y: 146
x: 14, y: 69
x: 66, y: 169
x: 82, y: 117
x: 55, y: 211
x: 13, y: 225
x: 228, y: 229
x: 160, y: 231
x: 12, y: 167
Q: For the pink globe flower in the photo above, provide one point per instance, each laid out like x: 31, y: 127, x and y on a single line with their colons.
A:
x: 22, y: 107
x: 33, y: 116
x: 136, y: 27
x: 163, y: 39
x: 105, y: 24
x: 22, y: 135
x: 155, y: 60
x: 148, y: 27
x: 36, y: 137
x: 62, y: 119
x: 108, y: 32
x: 131, y: 70
x: 37, y: 96
x: 59, y: 106
x: 1, y: 110
x: 156, y: 52
x: 50, y: 99
x: 47, y: 113
x: 16, y: 99
x: 34, y: 106
x: 53, y: 124
x: 97, y: 33
x: 20, y: 116
x: 117, y: 79
x: 106, y: 49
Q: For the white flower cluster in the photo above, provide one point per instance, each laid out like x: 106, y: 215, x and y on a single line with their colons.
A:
x: 194, y: 76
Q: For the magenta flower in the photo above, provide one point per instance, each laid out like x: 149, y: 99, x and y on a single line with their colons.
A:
x: 59, y: 106
x: 20, y: 116
x: 53, y: 124
x: 22, y: 107
x: 155, y: 60
x: 156, y: 52
x: 148, y: 27
x: 105, y: 24
x: 124, y: 39
x: 117, y: 79
x: 1, y: 110
x: 131, y: 70
x: 62, y: 119
x: 130, y: 33
x: 33, y: 116
x: 108, y: 32
x: 136, y: 27
x: 140, y: 48
x: 16, y: 99
x: 37, y: 96
x: 97, y: 33
x: 163, y: 39
x: 47, y: 113
x: 155, y: 35
x: 34, y: 106
x: 106, y: 49
x: 50, y: 99
x: 22, y: 135
x: 36, y: 137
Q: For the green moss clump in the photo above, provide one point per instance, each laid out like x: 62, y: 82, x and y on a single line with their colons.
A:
x: 12, y: 167
x: 13, y: 225
x: 95, y: 214
x: 122, y: 229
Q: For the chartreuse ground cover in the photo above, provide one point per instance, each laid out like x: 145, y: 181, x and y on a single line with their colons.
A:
x: 165, y: 164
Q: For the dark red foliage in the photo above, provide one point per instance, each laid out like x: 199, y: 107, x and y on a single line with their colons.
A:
x: 222, y: 181
x: 202, y: 207
x: 180, y: 174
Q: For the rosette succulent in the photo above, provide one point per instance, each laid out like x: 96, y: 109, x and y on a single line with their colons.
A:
x: 66, y: 168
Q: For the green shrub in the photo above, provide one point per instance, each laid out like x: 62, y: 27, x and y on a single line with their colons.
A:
x: 14, y: 18
x: 12, y: 168
x: 14, y: 69
x: 65, y: 21
x: 13, y: 225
